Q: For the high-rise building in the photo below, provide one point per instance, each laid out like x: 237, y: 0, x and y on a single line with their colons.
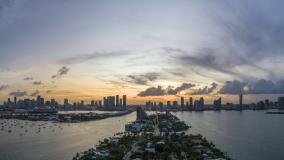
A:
x: 38, y: 101
x: 182, y: 102
x: 110, y: 103
x: 124, y: 102
x: 15, y: 101
x: 281, y: 102
x: 168, y: 104
x: 191, y: 103
x: 120, y: 104
x: 241, y: 101
x: 175, y: 105
x: 66, y: 102
x: 217, y: 104
x: 201, y: 102
x: 100, y: 104
x: 105, y: 102
x: 117, y: 102
x: 92, y: 103
x: 161, y: 106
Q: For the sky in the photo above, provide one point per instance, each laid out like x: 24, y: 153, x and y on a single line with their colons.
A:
x: 150, y: 50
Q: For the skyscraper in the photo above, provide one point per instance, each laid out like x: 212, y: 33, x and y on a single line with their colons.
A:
x: 38, y: 101
x: 217, y: 104
x: 175, y: 105
x: 124, y: 102
x: 15, y: 101
x: 202, y: 103
x: 281, y: 102
x: 117, y: 102
x: 120, y: 104
x: 191, y: 103
x: 65, y: 102
x: 168, y: 104
x: 241, y: 101
x: 182, y: 103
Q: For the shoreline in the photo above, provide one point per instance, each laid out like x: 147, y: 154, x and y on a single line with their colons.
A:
x: 65, y: 118
x: 158, y: 136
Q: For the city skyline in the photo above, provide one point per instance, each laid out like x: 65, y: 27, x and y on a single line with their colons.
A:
x: 146, y: 50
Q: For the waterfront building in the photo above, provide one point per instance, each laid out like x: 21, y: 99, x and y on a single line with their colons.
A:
x: 168, y: 104
x: 100, y: 104
x: 190, y: 103
x: 66, y: 102
x: 182, y: 103
x: 117, y: 104
x: 175, y: 105
x: 105, y: 102
x: 140, y: 114
x: 281, y: 102
x: 124, y: 102
x: 161, y: 106
x: 241, y: 101
x: 217, y: 104
x: 120, y: 104
x: 92, y: 102
x: 15, y: 101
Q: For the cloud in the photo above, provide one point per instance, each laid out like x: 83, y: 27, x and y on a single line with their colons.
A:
x: 153, y: 91
x: 159, y: 91
x: 37, y: 83
x: 2, y: 87
x: 28, y: 78
x: 141, y: 79
x: 18, y: 93
x: 255, y: 87
x: 87, y: 57
x: 62, y: 71
x: 34, y: 93
x: 184, y: 86
x: 205, y: 58
x: 205, y: 90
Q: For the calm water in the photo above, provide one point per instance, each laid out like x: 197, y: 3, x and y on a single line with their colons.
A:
x: 58, y: 141
x: 248, y: 135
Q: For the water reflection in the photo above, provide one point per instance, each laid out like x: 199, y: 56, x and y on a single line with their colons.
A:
x: 45, y: 140
x: 251, y: 135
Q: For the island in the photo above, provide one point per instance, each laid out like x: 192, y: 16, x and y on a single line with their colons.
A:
x: 154, y: 136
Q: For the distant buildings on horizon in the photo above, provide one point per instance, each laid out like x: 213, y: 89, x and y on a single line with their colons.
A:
x: 117, y: 103
x: 108, y: 103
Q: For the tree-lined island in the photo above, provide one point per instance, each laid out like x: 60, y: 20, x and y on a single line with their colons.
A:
x: 154, y: 136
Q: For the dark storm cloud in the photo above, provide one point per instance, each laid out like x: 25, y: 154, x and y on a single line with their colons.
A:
x: 184, y: 86
x: 87, y: 57
x: 205, y: 90
x: 159, y: 91
x: 37, y: 83
x: 206, y: 58
x: 245, y: 35
x: 142, y: 79
x: 233, y: 87
x: 2, y: 87
x: 62, y: 71
x: 255, y: 87
x: 18, y: 93
x: 153, y: 91
x: 28, y: 78
x: 257, y: 29
x: 35, y: 93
